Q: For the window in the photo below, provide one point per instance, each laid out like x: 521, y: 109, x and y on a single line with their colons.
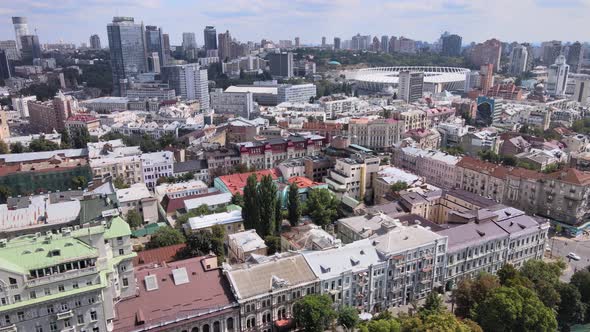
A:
x: 53, y: 326
x: 50, y: 309
x: 67, y: 322
x: 121, y: 252
x: 75, y: 285
x: 95, y: 329
x: 7, y: 319
x: 125, y: 282
x: 91, y: 300
x: 80, y: 319
x: 93, y: 315
x: 17, y: 298
x: 61, y: 288
x: 64, y: 307
x: 33, y: 295
x: 78, y: 303
x: 38, y: 329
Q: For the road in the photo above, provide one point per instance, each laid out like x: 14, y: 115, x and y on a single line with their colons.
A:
x: 561, y: 246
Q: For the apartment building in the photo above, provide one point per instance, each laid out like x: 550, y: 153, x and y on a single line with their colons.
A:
x: 66, y: 281
x: 413, y: 119
x: 128, y: 168
x: 387, y: 176
x: 236, y: 103
x: 437, y: 167
x: 335, y: 105
x: 45, y: 117
x: 180, y: 189
x: 379, y: 134
x: 353, y: 177
x: 156, y: 165
x: 139, y: 199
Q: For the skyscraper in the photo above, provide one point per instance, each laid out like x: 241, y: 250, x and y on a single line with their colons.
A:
x: 451, y: 45
x: 166, y: 49
x: 21, y: 28
x: 30, y: 48
x: 385, y: 44
x: 224, y: 46
x: 296, y: 41
x: 323, y: 42
x: 189, y: 81
x: 488, y: 52
x: 411, y: 85
x: 574, y: 56
x: 4, y: 66
x: 518, y: 60
x: 154, y: 42
x: 551, y: 50
x: 210, y: 38
x: 127, y: 48
x: 154, y: 62
x: 9, y: 46
x: 189, y: 41
x: 95, y: 42
x: 557, y: 80
x: 281, y: 64
x: 336, y: 43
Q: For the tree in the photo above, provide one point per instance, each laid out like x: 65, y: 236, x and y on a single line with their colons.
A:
x: 80, y: 138
x: 4, y: 193
x: 470, y: 292
x: 294, y: 205
x: 581, y: 280
x: 238, y: 200
x: 507, y: 272
x: 198, y: 243
x: 322, y: 206
x: 398, y: 186
x: 41, y: 144
x: 571, y: 308
x: 273, y: 244
x: 251, y: 210
x: 217, y: 240
x: 314, y: 312
x: 134, y: 219
x: 432, y: 305
x: 17, y: 147
x: 79, y: 181
x: 278, y: 216
x: 267, y: 196
x: 348, y: 317
x: 445, y: 321
x: 119, y: 183
x: 66, y: 142
x: 4, y: 148
x: 165, y: 236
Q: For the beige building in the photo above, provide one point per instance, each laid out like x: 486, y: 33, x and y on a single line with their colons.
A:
x: 437, y: 167
x: 139, y: 199
x: 45, y: 117
x: 127, y: 168
x: 353, y: 177
x: 379, y: 134
x: 244, y: 244
x: 413, y: 119
x: 4, y: 129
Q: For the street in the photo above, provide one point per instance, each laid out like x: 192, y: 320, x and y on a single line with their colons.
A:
x: 561, y: 246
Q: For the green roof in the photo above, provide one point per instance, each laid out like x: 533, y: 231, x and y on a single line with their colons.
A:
x: 149, y: 229
x: 26, y: 253
x: 118, y: 227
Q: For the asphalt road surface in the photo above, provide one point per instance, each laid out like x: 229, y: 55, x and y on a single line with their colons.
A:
x: 561, y: 246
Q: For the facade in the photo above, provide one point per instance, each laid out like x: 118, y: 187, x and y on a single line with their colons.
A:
x: 189, y: 81
x: 156, y: 165
x: 67, y: 280
x: 558, y: 74
x: 153, y: 44
x: 180, y: 189
x: 95, y: 42
x: 519, y: 57
x: 300, y: 93
x: 488, y: 52
x: 337, y: 45
x: 451, y: 45
x: 575, y: 56
x: 139, y: 199
x: 244, y: 244
x: 128, y: 51
x: 30, y: 48
x: 379, y: 134
x: 388, y: 176
x: 582, y: 91
x: 10, y: 48
x: 48, y: 116
x: 79, y: 121
x: 352, y: 177
x: 21, y: 28
x: 224, y: 42
x: 437, y: 167
x: 237, y: 103
x: 210, y: 38
x: 551, y: 50
x: 281, y: 64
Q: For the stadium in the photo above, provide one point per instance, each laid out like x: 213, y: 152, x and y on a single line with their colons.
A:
x: 385, y: 79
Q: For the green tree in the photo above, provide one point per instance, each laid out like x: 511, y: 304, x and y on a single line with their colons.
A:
x: 314, y: 312
x: 79, y: 181
x: 17, y: 147
x: 134, y: 219
x: 217, y: 240
x: 5, y: 192
x: 119, y: 183
x: 251, y: 209
x: 165, y: 236
x: 398, y: 186
x: 322, y: 206
x: 445, y: 321
x: 267, y: 196
x: 507, y: 272
x: 433, y: 305
x: 571, y: 308
x: 273, y: 244
x: 80, y: 138
x: 66, y: 142
x: 4, y: 149
x: 198, y: 243
x: 278, y: 216
x: 581, y: 280
x: 41, y: 144
x: 348, y: 317
x: 238, y: 200
x: 381, y: 325
x: 469, y: 292
x: 294, y: 205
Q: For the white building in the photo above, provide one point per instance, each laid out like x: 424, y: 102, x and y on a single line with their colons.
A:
x: 106, y: 104
x: 231, y: 222
x: 20, y: 104
x: 518, y: 60
x: 411, y: 85
x: 558, y: 73
x: 379, y: 134
x: 299, y: 93
x: 189, y: 81
x: 236, y: 103
x: 180, y: 189
x: 156, y: 165
x: 138, y: 198
x: 244, y: 244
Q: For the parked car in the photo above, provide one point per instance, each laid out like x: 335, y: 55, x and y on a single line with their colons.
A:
x: 573, y: 256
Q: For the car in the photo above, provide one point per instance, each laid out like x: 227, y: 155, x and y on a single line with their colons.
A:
x: 573, y: 256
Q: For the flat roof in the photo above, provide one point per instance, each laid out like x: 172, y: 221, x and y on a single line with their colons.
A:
x: 42, y: 155
x: 355, y: 256
x: 254, y: 89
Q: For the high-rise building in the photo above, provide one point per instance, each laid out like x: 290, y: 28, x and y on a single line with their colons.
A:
x: 189, y: 41
x: 210, y: 38
x: 385, y: 44
x: 486, y: 73
x: 281, y: 64
x: 154, y: 42
x: 402, y: 45
x: 224, y: 45
x: 297, y: 41
x: 551, y: 50
x: 582, y: 90
x: 189, y: 81
x: 360, y: 42
x: 21, y: 28
x: 530, y: 56
x: 411, y: 85
x: 166, y: 49
x: 518, y: 60
x: 336, y: 43
x: 488, y: 52
x: 9, y: 46
x: 376, y: 45
x: 128, y: 51
x: 47, y: 116
x: 557, y: 78
x: 574, y: 56
x: 451, y: 45
x: 154, y: 62
x: 323, y: 42
x: 4, y: 66
x: 30, y: 48
x: 95, y: 42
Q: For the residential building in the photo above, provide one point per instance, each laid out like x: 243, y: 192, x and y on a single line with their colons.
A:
x: 335, y: 105
x: 5, y: 70
x: 210, y: 38
x: 551, y: 50
x: 508, y: 91
x: 10, y: 48
x: 413, y: 119
x: 224, y: 40
x: 379, y: 134
x: 558, y: 74
x: 427, y: 139
x: 436, y: 167
x: 574, y: 56
x: 26, y: 140
x: 337, y: 45
x: 128, y: 168
x: 307, y: 236
x: 295, y: 93
x: 230, y: 221
x: 238, y: 103
x: 488, y: 52
x: 269, y: 153
x: 139, y: 199
x: 106, y: 104
x: 217, y: 199
x: 189, y: 81
x: 156, y: 165
x: 180, y: 189
x: 281, y: 64
x: 519, y: 60
x: 248, y: 64
x: 582, y: 91
x: 353, y: 177
x: 244, y: 244
x: 79, y: 122
x: 484, y: 140
x: 411, y: 85
x: 388, y: 176
x: 451, y: 45
x: 127, y: 46
x: 72, y: 278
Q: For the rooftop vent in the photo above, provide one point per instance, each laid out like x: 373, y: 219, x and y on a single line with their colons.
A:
x: 151, y: 283
x: 180, y: 276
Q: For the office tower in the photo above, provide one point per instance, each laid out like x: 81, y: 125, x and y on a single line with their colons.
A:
x: 189, y: 81
x: 4, y: 66
x: 557, y: 80
x: 128, y: 51
x: 574, y: 56
x: 518, y: 60
x: 281, y: 64
x: 582, y: 90
x: 30, y: 48
x: 451, y: 45
x: 488, y: 52
x: 154, y: 41
x: 385, y: 44
x: 411, y: 85
x: 21, y: 28
x: 167, y: 51
x: 530, y: 56
x: 189, y: 41
x: 337, y: 43
x: 360, y: 42
x: 486, y: 73
x: 224, y: 46
x: 210, y: 38
x: 323, y: 42
x: 392, y: 44
x: 376, y: 45
x: 154, y: 62
x: 551, y: 50
x: 296, y: 41
x: 95, y: 42
x: 9, y: 46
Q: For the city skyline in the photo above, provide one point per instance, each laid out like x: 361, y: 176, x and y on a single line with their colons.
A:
x: 308, y: 19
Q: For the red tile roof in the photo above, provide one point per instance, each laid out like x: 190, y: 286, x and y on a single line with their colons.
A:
x: 303, y: 182
x: 204, y: 291
x: 82, y: 118
x: 571, y: 175
x: 175, y: 204
x: 236, y: 182
x: 158, y: 255
x: 497, y: 171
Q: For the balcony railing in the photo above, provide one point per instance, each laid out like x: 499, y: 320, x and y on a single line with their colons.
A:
x: 61, y: 276
x: 65, y: 314
x: 9, y: 328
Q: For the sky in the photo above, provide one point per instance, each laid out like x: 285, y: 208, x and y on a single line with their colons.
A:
x: 74, y: 21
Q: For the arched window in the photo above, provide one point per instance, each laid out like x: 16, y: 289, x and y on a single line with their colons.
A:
x: 206, y: 328
x: 216, y: 327
x: 195, y: 329
x: 229, y: 324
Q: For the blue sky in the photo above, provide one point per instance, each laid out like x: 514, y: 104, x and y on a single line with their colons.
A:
x: 475, y: 20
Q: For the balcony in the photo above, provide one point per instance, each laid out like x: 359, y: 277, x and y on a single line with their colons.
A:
x: 336, y: 186
x: 61, y: 276
x: 65, y: 314
x: 9, y: 328
x: 69, y: 329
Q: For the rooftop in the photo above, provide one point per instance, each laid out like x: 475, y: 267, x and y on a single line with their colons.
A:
x: 355, y: 256
x: 215, y: 199
x: 43, y: 155
x: 135, y: 192
x: 247, y: 240
x: 210, y: 220
x: 157, y: 256
x: 401, y: 238
x: 235, y: 183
